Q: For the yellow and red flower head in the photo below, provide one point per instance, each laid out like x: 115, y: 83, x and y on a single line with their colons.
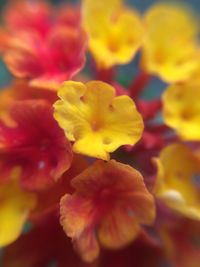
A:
x: 178, y: 179
x: 95, y: 119
x: 109, y: 204
x: 47, y: 49
x: 45, y: 189
x: 109, y: 40
x: 35, y: 143
x: 170, y: 48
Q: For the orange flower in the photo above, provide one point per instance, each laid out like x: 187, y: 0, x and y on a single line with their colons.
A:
x: 109, y: 204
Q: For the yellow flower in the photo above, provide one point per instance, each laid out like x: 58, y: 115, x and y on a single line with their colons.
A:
x: 115, y: 31
x: 181, y: 109
x: 170, y: 48
x: 178, y: 179
x: 95, y: 119
x: 15, y: 206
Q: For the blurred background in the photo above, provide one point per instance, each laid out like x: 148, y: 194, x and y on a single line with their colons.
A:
x: 127, y: 72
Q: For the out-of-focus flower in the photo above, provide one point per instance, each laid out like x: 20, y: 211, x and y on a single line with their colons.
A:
x: 181, y: 109
x: 35, y: 143
x: 178, y: 179
x: 109, y: 40
x: 170, y: 48
x: 181, y: 242
x: 43, y: 48
x: 49, y: 62
x: 15, y: 206
x: 109, y: 204
x: 44, y: 244
x: 95, y: 119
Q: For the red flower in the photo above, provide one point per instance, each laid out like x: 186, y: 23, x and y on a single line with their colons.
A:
x: 35, y: 143
x: 43, y: 47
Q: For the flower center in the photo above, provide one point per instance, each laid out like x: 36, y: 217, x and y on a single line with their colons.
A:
x: 96, y: 125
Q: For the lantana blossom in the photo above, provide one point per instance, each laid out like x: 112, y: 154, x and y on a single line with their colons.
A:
x: 109, y: 40
x: 170, y: 49
x: 178, y: 175
x: 46, y: 49
x: 97, y: 121
x: 108, y: 206
x: 35, y: 143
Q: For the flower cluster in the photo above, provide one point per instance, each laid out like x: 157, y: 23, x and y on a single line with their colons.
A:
x: 93, y: 173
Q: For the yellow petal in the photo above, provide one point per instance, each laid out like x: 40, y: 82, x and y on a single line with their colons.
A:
x: 15, y: 206
x: 181, y: 109
x: 178, y: 180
